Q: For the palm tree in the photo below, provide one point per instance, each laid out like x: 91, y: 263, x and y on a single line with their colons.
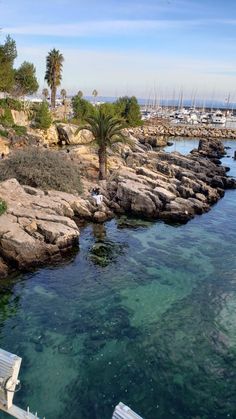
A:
x: 95, y: 93
x: 106, y: 131
x: 80, y: 94
x: 64, y: 102
x: 63, y: 94
x: 45, y: 93
x: 54, y: 64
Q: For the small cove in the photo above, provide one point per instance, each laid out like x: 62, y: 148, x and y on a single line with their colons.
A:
x: 154, y: 327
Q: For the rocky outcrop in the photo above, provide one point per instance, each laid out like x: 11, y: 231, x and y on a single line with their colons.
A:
x: 20, y: 117
x: 170, y: 186
x: 39, y: 227
x: 211, y: 149
x: 67, y: 134
x: 4, y: 146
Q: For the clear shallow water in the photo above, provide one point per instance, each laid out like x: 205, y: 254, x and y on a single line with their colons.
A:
x: 155, y: 326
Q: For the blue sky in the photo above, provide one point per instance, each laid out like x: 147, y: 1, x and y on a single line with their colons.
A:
x: 130, y: 46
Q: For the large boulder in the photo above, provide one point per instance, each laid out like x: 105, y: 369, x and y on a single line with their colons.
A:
x: 67, y: 135
x: 36, y: 227
x: 20, y: 117
x: 4, y: 146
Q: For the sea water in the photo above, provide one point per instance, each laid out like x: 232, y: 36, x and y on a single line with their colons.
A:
x: 151, y: 322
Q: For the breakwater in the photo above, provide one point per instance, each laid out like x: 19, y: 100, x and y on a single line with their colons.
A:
x: 166, y: 129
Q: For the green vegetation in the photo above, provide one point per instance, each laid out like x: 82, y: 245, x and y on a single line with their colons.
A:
x: 18, y: 82
x: 25, y: 80
x: 7, y: 121
x: 106, y: 131
x: 43, y: 119
x: 19, y: 130
x: 53, y: 76
x: 109, y: 109
x: 6, y: 118
x: 8, y: 54
x: 82, y: 108
x: 10, y: 103
x: 129, y: 109
x: 43, y: 169
x: 3, y: 133
x: 3, y: 206
x: 125, y: 108
x: 63, y: 94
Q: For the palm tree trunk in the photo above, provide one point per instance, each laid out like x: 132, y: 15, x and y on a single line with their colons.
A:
x: 53, y: 97
x: 102, y: 163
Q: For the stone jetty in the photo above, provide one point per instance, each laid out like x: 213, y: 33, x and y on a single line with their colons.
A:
x: 158, y: 133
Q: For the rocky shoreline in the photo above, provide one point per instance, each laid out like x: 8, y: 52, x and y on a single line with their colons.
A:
x: 39, y: 226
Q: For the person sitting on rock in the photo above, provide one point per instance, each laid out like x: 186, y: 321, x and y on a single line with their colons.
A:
x: 95, y: 191
x: 96, y: 194
x: 99, y: 199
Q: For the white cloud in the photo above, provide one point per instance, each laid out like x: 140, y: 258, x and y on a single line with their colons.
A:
x: 98, y: 28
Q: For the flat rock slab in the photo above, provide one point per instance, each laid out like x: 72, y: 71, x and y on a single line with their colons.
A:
x: 36, y: 227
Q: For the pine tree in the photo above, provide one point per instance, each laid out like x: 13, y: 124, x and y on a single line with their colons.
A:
x: 43, y: 119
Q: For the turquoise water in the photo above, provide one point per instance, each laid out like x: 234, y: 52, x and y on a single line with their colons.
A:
x: 152, y: 323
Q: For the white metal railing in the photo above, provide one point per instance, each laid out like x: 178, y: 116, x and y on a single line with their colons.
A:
x: 9, y: 370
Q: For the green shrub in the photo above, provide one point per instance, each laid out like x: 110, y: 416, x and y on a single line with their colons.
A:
x: 43, y: 119
x: 15, y: 104
x: 7, y: 120
x: 3, y: 206
x: 19, y: 130
x: 10, y: 103
x: 82, y: 108
x: 3, y: 133
x: 43, y: 169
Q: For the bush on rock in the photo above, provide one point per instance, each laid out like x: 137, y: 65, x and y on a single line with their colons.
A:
x: 42, y: 169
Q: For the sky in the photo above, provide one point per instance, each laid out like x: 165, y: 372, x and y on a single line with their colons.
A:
x: 133, y: 47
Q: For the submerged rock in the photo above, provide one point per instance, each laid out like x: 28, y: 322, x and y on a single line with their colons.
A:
x: 104, y: 252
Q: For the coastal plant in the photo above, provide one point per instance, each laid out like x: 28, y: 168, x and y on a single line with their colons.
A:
x: 63, y: 94
x: 43, y: 119
x: 8, y: 54
x: 11, y: 103
x: 25, y: 80
x: 19, y: 129
x: 53, y: 76
x: 80, y: 94
x: 6, y: 118
x: 3, y: 206
x: 106, y: 131
x: 128, y: 109
x: 43, y: 169
x: 82, y: 108
x: 3, y: 133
